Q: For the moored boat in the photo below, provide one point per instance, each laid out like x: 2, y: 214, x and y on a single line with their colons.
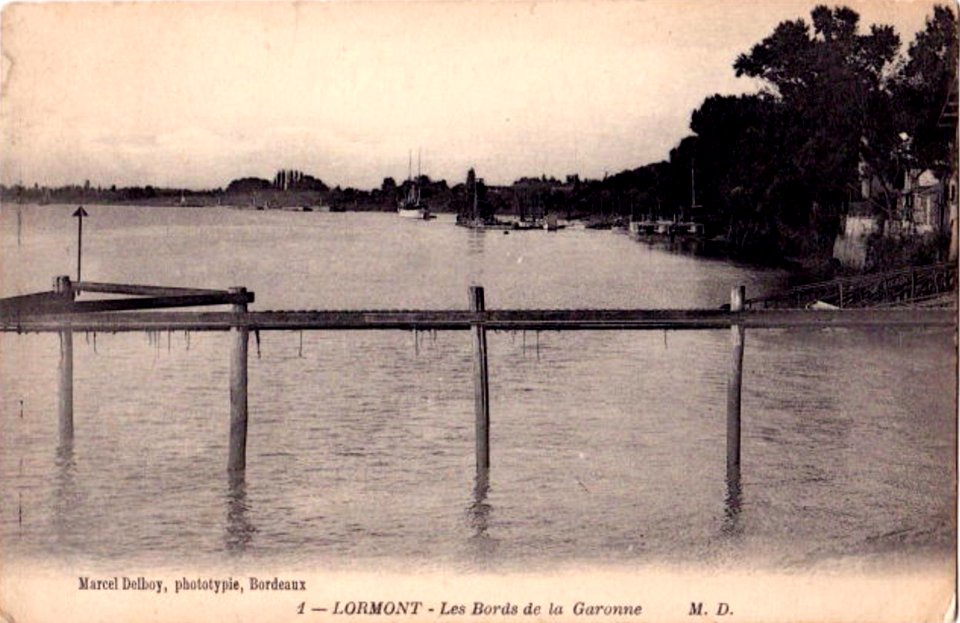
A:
x: 410, y: 206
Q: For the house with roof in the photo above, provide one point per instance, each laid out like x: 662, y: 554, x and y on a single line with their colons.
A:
x: 921, y: 207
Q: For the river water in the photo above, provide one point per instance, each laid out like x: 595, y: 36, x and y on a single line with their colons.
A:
x: 607, y: 447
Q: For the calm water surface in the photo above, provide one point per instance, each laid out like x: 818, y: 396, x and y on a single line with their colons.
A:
x: 607, y: 447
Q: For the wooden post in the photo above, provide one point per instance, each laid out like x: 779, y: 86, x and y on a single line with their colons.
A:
x: 63, y: 287
x: 734, y: 383
x: 237, y: 460
x: 840, y: 286
x: 481, y: 390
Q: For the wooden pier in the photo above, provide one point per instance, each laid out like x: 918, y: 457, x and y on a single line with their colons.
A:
x: 59, y: 311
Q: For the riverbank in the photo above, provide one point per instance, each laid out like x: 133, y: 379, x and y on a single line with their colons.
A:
x: 801, y: 270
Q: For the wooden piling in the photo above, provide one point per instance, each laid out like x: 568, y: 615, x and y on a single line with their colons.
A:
x: 66, y: 386
x: 734, y: 384
x: 237, y: 460
x: 63, y: 287
x: 481, y: 387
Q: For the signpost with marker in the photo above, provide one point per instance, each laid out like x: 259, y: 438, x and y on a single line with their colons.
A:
x: 79, y: 213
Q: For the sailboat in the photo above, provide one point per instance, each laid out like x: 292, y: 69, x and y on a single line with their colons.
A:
x: 410, y: 206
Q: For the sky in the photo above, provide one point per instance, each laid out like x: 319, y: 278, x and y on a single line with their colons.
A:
x: 197, y: 94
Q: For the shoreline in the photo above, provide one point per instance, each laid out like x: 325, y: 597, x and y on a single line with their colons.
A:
x: 801, y: 269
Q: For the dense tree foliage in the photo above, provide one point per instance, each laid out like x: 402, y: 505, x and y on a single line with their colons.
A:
x: 923, y: 85
x: 839, y: 105
x: 825, y: 83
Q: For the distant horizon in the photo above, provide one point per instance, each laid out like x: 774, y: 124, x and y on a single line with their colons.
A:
x: 192, y: 96
x: 399, y: 181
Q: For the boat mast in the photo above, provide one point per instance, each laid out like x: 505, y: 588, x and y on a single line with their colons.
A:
x: 693, y: 186
x: 408, y: 198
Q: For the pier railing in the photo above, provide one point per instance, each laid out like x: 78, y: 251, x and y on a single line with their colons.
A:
x: 897, y: 287
x: 60, y: 312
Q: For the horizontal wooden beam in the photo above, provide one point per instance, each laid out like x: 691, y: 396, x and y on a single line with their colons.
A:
x: 39, y: 303
x: 145, y: 297
x: 158, y: 302
x: 139, y: 290
x: 20, y: 313
x: 503, y: 320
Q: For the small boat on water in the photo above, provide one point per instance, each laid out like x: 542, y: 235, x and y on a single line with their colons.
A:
x: 477, y: 214
x: 414, y: 211
x: 616, y: 223
x: 410, y: 206
x: 666, y: 229
x: 550, y: 223
x: 524, y: 225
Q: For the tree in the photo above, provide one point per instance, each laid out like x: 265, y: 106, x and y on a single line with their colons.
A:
x: 739, y: 160
x: 828, y: 83
x: 923, y: 86
x: 248, y: 184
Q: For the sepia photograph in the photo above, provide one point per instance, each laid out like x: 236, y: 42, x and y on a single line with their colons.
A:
x: 580, y: 310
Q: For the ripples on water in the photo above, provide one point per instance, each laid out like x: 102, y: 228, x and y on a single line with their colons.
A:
x: 606, y: 446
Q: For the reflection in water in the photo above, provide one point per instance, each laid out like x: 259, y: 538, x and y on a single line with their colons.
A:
x: 475, y: 253
x: 20, y: 495
x: 475, y: 241
x: 732, y: 502
x: 65, y: 455
x: 239, y: 530
x: 66, y: 497
x: 688, y: 246
x: 479, y: 516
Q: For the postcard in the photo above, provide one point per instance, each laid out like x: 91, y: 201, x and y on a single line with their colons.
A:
x: 584, y: 310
